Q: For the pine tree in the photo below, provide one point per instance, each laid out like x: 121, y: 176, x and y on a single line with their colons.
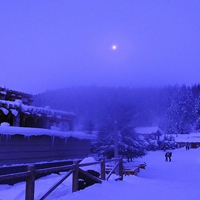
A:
x: 128, y: 144
x: 197, y: 113
x: 180, y: 115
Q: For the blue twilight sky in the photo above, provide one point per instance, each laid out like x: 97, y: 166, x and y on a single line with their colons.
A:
x: 53, y: 44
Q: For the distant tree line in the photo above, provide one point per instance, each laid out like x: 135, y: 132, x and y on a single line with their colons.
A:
x: 175, y: 109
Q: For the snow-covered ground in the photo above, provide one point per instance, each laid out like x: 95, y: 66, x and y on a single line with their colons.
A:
x: 176, y: 180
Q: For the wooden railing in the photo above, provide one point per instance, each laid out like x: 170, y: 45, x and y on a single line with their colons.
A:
x: 73, y: 169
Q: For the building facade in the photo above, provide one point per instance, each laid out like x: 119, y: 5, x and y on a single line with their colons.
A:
x: 17, y: 110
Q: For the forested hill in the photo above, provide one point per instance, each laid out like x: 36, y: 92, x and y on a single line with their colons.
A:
x: 174, y: 108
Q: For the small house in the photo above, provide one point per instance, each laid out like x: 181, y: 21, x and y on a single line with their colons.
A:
x: 193, y: 139
x: 153, y: 133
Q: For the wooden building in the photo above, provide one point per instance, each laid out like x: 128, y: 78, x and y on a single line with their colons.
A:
x: 193, y: 139
x: 16, y: 109
x: 30, y: 134
x: 29, y: 145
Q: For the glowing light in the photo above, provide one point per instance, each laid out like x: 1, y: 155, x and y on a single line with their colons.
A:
x: 114, y: 47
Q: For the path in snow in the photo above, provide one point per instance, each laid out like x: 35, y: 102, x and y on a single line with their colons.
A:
x: 176, y: 180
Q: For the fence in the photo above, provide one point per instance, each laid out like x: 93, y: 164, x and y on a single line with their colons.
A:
x: 73, y: 169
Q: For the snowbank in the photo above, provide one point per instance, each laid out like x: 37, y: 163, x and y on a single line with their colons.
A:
x: 96, y: 167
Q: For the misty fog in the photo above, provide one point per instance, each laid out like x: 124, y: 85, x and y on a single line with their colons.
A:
x: 96, y: 106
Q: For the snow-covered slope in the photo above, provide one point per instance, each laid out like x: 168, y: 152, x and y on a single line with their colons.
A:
x: 176, y: 180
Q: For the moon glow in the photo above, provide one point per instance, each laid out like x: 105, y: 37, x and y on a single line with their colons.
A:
x: 114, y: 47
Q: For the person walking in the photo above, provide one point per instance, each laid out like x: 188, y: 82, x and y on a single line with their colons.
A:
x: 166, y: 156
x: 187, y: 146
x: 170, y: 156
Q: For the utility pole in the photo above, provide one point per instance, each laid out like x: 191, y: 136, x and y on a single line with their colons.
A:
x: 116, y: 140
x: 116, y: 145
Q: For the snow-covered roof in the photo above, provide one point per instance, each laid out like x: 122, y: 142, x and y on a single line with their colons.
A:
x: 11, y: 130
x: 191, y: 138
x: 148, y: 130
x: 17, y: 104
x: 7, y: 91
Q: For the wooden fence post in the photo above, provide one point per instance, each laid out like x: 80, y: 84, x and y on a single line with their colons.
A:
x: 103, y: 169
x: 75, y: 177
x: 30, y: 183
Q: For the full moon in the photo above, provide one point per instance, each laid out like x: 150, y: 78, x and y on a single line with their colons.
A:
x: 114, y: 47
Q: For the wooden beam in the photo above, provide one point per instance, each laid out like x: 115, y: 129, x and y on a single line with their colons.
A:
x: 95, y: 179
x: 56, y: 185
